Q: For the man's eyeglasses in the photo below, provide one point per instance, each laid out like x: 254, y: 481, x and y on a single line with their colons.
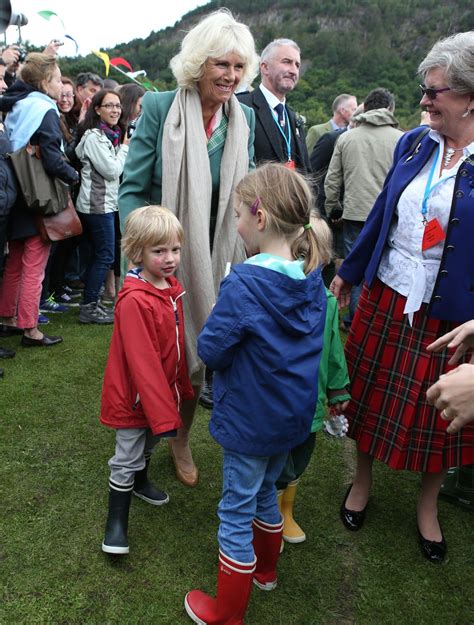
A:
x: 432, y: 93
x: 109, y: 106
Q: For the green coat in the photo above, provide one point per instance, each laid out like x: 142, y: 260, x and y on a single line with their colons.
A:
x: 141, y: 183
x: 333, y: 373
x: 315, y: 133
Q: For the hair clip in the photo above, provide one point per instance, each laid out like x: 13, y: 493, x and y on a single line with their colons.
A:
x: 255, y: 205
x: 307, y: 226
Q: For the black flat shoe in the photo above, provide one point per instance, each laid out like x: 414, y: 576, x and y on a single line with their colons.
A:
x: 353, y: 520
x: 6, y: 330
x: 46, y: 341
x: 6, y: 353
x: 432, y: 550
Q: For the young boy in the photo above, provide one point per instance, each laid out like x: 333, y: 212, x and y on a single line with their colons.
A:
x: 146, y: 376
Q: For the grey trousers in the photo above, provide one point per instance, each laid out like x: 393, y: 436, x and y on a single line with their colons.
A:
x: 133, y: 446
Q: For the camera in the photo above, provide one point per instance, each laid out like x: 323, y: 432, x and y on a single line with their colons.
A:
x: 22, y: 52
x: 131, y: 128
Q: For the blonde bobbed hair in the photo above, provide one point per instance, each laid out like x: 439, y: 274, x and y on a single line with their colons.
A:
x: 149, y: 226
x: 214, y: 36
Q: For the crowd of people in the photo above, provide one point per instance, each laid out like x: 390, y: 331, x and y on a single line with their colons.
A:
x: 211, y: 182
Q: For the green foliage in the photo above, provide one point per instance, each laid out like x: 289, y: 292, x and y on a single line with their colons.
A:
x: 347, y: 46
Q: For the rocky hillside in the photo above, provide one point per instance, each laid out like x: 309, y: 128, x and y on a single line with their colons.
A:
x: 347, y: 45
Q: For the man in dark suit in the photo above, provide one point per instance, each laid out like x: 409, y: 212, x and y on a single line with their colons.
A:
x: 278, y: 134
x: 320, y: 158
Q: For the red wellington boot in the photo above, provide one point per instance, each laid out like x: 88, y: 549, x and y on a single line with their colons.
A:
x: 234, y: 585
x: 266, y: 543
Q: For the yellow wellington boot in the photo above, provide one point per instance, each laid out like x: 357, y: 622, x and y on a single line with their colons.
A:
x: 279, y: 498
x: 292, y: 532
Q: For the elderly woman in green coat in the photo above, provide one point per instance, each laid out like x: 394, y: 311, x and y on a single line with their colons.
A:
x: 190, y: 149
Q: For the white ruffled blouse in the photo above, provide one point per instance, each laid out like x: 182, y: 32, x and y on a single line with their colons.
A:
x: 404, y: 267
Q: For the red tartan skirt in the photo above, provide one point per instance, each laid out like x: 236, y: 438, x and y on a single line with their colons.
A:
x: 390, y: 372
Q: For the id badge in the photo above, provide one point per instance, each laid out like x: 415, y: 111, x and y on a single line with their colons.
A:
x: 290, y: 164
x: 432, y: 235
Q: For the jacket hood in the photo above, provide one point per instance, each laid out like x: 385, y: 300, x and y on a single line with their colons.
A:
x: 18, y: 91
x: 80, y: 145
x: 291, y: 303
x: 132, y: 284
x: 377, y: 117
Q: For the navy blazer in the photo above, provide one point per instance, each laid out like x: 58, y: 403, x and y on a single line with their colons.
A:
x: 268, y: 144
x: 453, y: 294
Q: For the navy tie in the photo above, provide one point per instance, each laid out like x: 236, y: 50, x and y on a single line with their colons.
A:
x: 280, y: 109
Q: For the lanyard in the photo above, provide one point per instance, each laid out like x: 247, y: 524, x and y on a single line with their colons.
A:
x: 286, y: 138
x: 429, y: 188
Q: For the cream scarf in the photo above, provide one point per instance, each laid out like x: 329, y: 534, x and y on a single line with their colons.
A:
x: 187, y: 191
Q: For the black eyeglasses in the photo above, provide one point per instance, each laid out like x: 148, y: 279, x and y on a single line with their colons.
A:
x: 109, y: 106
x: 432, y: 93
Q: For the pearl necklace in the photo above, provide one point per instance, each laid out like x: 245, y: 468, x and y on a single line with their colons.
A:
x: 449, y: 155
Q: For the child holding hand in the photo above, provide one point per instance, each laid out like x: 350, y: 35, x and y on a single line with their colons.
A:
x: 333, y: 380
x: 146, y: 376
x: 263, y: 339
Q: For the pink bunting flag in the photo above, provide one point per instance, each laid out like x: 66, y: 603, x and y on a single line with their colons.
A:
x: 119, y: 60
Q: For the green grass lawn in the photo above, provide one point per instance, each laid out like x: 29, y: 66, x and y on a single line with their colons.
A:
x: 54, y: 503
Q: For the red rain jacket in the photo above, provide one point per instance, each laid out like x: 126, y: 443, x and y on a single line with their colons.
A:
x: 146, y: 375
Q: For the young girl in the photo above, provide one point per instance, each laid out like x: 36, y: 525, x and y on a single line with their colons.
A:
x: 102, y: 149
x: 333, y: 379
x: 264, y: 340
x: 146, y: 376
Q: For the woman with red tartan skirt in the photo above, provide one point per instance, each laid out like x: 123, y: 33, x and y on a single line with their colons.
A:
x: 415, y: 253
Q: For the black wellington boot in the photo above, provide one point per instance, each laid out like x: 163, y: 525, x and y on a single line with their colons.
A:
x: 145, y: 490
x: 115, y: 540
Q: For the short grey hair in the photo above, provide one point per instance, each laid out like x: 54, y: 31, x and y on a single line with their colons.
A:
x: 214, y: 36
x: 341, y: 100
x: 455, y: 55
x: 277, y: 43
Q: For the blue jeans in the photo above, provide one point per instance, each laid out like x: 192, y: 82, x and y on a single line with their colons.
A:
x: 100, y: 231
x: 248, y: 492
x: 350, y: 231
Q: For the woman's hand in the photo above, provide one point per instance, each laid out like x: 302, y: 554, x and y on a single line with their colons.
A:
x: 84, y: 108
x: 453, y: 394
x: 53, y: 47
x: 461, y: 337
x: 341, y: 291
x: 10, y: 57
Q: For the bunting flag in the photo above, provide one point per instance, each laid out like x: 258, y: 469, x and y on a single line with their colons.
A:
x: 115, y: 62
x: 119, y: 60
x: 72, y: 39
x: 148, y: 85
x: 140, y: 72
x: 47, y: 15
x: 105, y: 58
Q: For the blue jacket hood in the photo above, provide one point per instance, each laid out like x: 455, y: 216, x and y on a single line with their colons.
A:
x: 264, y: 340
x: 286, y: 300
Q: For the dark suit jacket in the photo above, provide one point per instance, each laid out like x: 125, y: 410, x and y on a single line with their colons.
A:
x: 320, y: 159
x: 269, y: 144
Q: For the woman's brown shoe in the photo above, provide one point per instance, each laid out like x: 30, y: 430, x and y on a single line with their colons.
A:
x: 188, y: 478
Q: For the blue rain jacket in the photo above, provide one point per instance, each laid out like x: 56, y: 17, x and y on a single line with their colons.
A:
x: 264, y: 340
